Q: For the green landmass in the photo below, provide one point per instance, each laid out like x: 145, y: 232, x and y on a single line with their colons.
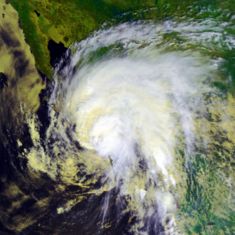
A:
x: 73, y: 20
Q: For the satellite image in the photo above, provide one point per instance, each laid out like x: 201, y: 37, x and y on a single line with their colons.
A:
x: 117, y: 117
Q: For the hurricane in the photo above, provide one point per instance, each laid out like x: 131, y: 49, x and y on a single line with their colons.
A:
x: 131, y: 113
x: 139, y: 120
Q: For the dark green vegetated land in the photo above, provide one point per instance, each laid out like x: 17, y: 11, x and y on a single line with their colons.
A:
x: 73, y: 20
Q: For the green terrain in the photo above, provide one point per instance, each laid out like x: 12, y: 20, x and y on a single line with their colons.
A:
x: 73, y: 20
